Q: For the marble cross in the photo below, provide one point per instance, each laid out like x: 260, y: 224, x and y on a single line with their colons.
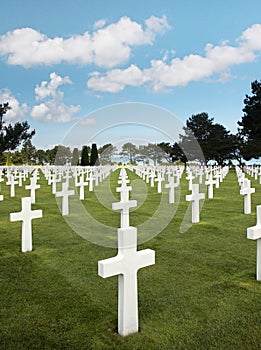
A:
x: 26, y: 216
x: 246, y: 191
x: 33, y: 187
x: 254, y: 232
x: 171, y: 186
x: 65, y: 193
x: 195, y: 197
x: 126, y: 265
x: 81, y: 183
x: 210, y: 182
x: 11, y: 182
x: 124, y: 205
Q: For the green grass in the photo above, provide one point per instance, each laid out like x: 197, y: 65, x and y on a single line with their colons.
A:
x: 200, y: 294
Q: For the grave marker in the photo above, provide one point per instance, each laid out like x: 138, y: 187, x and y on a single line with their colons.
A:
x: 195, y: 197
x: 26, y: 215
x: 254, y: 233
x: 126, y: 265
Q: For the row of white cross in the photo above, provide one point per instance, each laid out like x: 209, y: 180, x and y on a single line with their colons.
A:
x: 127, y: 262
x: 26, y: 215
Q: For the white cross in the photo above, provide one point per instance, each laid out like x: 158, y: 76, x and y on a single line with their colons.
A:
x: 171, y: 185
x: 124, y: 205
x: 26, y: 215
x: 254, y: 232
x: 11, y: 181
x: 159, y: 179
x: 210, y: 182
x: 195, y: 197
x: 81, y: 184
x: 90, y: 178
x: 152, y: 177
x: 65, y: 193
x: 190, y: 179
x: 33, y: 186
x: 246, y: 191
x: 126, y: 265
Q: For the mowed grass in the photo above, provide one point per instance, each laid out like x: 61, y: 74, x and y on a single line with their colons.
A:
x: 200, y: 294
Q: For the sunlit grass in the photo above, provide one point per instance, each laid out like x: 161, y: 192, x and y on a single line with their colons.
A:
x: 200, y: 294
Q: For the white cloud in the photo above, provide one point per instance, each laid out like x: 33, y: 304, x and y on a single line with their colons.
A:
x: 18, y: 111
x: 99, y: 24
x: 51, y: 89
x: 53, y: 109
x: 87, y: 121
x: 179, y: 72
x: 107, y: 47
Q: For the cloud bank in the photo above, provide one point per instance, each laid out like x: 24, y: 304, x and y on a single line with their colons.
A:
x: 107, y: 47
x: 179, y: 72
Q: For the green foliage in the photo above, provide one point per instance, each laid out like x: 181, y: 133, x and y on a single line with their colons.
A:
x: 28, y: 153
x: 85, y: 157
x: 94, y: 159
x: 250, y: 125
x: 11, y: 136
x: 216, y: 143
x: 75, y: 157
x: 130, y: 151
x: 106, y: 153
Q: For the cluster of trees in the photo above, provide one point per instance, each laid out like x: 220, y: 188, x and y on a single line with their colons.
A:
x: 216, y: 142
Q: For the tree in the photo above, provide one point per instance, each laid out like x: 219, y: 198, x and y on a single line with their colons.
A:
x: 221, y: 144
x: 3, y: 109
x: 152, y: 152
x: 75, y: 157
x: 106, y: 153
x: 11, y: 136
x: 85, y: 156
x: 198, y: 128
x: 41, y: 157
x: 250, y: 124
x: 94, y: 159
x: 28, y: 152
x: 129, y: 150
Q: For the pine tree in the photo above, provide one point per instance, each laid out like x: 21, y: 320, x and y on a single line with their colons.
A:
x: 75, y: 157
x: 94, y: 155
x: 85, y: 156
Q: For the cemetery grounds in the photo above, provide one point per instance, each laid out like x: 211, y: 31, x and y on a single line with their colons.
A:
x: 200, y: 294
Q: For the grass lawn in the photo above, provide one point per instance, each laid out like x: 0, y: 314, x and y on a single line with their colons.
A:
x: 200, y: 294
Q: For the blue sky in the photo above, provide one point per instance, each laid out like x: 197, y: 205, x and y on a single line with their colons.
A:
x: 63, y: 62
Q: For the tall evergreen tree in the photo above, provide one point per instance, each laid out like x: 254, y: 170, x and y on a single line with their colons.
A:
x: 85, y: 156
x: 75, y: 157
x: 250, y: 125
x: 94, y: 160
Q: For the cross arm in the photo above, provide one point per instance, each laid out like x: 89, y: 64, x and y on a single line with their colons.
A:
x: 110, y: 267
x: 254, y: 232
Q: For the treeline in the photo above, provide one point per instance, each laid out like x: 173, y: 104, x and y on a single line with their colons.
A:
x: 200, y: 133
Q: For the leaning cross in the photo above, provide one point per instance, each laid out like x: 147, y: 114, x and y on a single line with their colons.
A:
x: 254, y: 232
x: 126, y: 265
x: 195, y: 197
x: 26, y: 215
x: 65, y: 193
